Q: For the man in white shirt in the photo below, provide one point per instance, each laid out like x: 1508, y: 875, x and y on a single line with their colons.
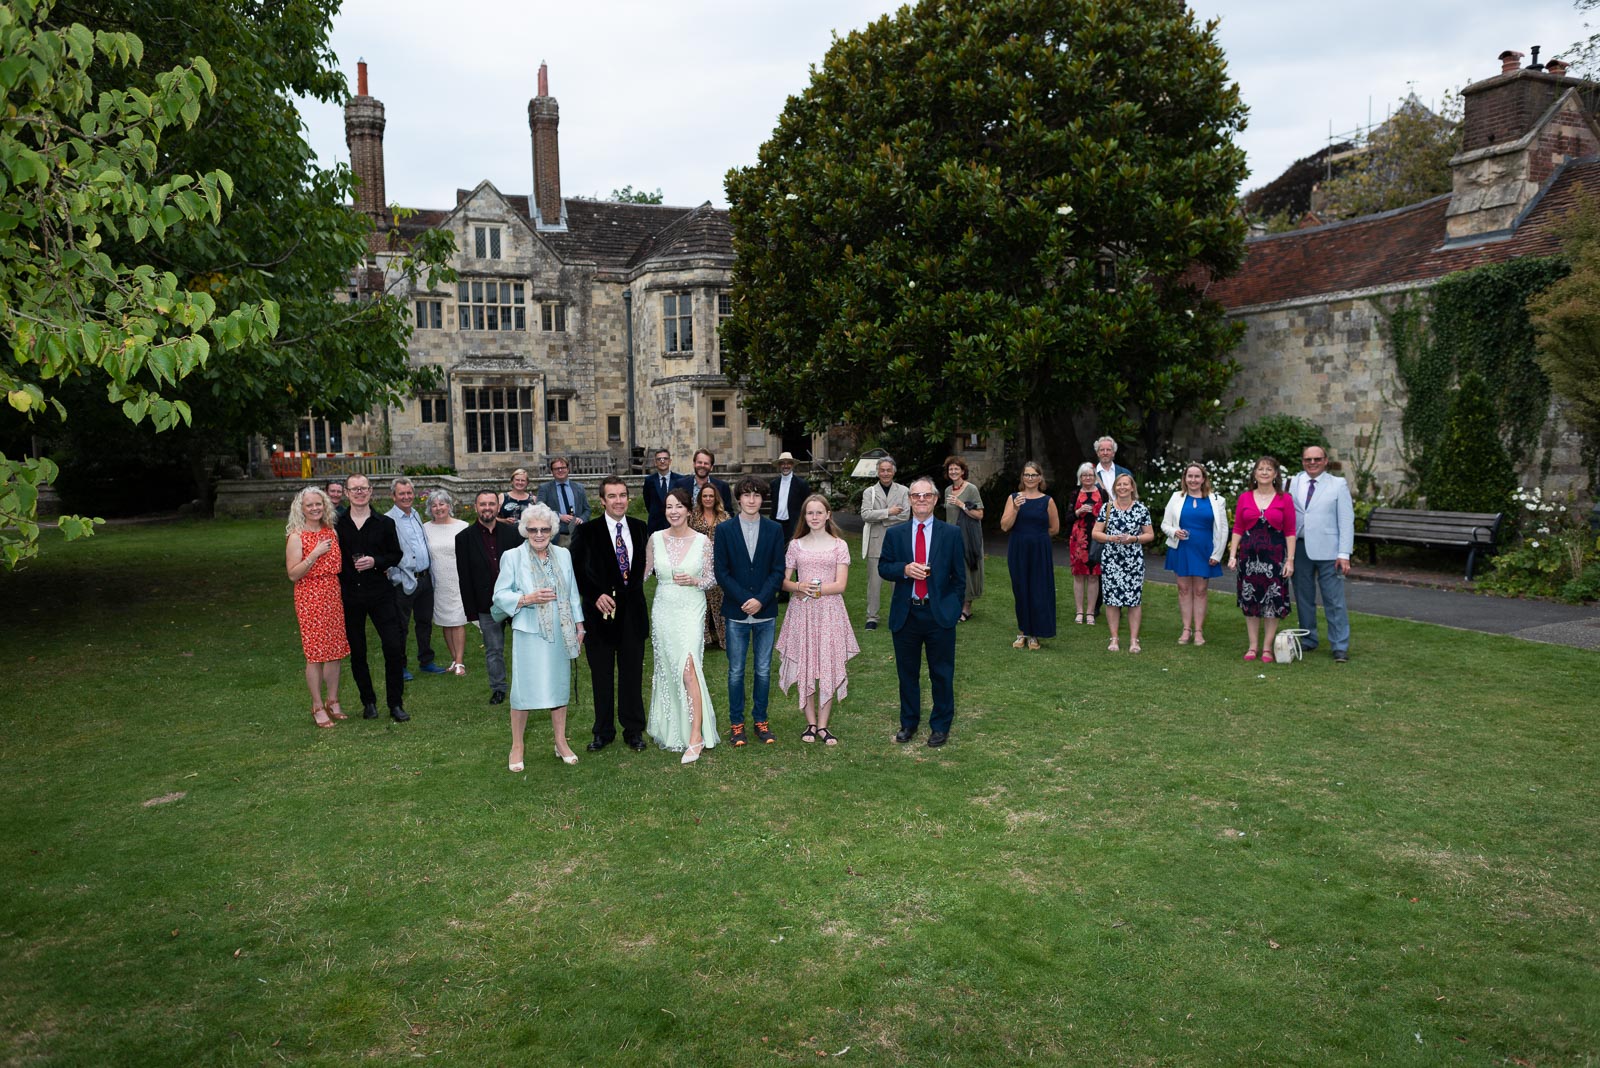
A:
x: 789, y: 492
x: 1324, y: 519
x: 1107, y: 470
x: 413, y: 577
x: 883, y: 504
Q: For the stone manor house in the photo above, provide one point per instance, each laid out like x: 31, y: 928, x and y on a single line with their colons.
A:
x: 577, y: 327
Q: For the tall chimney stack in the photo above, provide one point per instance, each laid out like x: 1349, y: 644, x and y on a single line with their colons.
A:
x: 544, y: 116
x: 363, y: 133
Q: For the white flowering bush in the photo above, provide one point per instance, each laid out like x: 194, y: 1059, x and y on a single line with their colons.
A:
x: 1554, y: 548
x: 1164, y: 475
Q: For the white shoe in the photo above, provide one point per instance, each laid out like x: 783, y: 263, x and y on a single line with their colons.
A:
x: 691, y: 754
x: 569, y: 760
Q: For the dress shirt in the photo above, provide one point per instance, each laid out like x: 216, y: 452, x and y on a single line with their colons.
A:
x: 1106, y: 476
x: 616, y: 526
x: 751, y: 529
x: 491, y: 549
x: 781, y: 505
x: 414, y: 546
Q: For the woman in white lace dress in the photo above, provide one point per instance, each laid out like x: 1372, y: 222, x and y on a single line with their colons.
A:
x: 681, y: 718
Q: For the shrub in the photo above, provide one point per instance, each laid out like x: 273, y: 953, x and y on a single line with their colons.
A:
x: 1556, y: 555
x: 1282, y: 437
x: 1469, y: 469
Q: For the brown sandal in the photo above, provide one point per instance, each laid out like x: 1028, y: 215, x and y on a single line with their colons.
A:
x: 324, y: 722
x: 335, y: 712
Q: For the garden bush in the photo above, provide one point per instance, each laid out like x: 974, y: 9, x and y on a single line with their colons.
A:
x: 1279, y: 436
x: 1469, y: 469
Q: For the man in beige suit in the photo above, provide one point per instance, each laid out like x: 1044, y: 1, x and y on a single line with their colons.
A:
x: 884, y: 504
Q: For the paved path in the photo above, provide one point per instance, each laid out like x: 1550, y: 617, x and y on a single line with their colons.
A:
x: 1539, y: 621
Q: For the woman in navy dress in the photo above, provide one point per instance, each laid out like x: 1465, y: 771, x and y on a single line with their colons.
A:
x: 1196, y: 526
x: 1032, y: 520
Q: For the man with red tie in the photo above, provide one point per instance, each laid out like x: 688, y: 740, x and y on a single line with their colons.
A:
x: 923, y: 558
x: 608, y: 562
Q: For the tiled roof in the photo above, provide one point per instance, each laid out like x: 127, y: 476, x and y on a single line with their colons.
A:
x: 1407, y: 245
x: 611, y: 234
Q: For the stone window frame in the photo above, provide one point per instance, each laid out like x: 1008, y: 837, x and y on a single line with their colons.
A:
x: 553, y: 316
x: 315, y: 430
x: 430, y: 314
x: 434, y: 407
x: 507, y: 308
x: 487, y: 241
x: 717, y: 409
x: 613, y: 428
x: 504, y: 413
x: 557, y: 408
x: 677, y: 309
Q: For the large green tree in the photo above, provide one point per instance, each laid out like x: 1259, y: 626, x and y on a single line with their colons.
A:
x: 84, y: 207
x: 981, y: 211
x: 290, y: 237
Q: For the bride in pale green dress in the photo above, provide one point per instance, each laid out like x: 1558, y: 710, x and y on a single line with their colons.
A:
x: 681, y: 718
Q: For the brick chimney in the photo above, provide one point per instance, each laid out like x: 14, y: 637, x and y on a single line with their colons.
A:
x: 544, y: 116
x: 1516, y: 129
x: 363, y: 133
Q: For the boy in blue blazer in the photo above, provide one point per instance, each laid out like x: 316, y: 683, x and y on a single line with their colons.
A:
x: 749, y: 554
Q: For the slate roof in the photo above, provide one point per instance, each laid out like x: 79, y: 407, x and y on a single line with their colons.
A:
x: 615, y: 235
x: 1407, y: 245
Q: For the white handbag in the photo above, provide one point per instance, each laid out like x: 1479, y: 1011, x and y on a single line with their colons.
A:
x: 1286, y: 646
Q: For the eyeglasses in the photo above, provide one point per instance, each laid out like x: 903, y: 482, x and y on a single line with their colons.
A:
x: 1313, y: 459
x: 538, y: 530
x: 923, y: 496
x: 1031, y: 474
x: 358, y: 489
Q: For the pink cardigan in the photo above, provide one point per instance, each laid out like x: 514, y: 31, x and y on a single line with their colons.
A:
x: 1280, y: 513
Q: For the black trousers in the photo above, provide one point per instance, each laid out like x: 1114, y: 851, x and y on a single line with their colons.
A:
x: 921, y: 633
x: 616, y: 661
x: 418, y: 605
x: 377, y: 603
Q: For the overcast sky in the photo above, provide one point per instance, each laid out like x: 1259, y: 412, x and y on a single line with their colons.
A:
x: 673, y: 94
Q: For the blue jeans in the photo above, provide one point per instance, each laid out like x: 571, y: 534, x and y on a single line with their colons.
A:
x: 1310, y: 576
x: 741, y: 636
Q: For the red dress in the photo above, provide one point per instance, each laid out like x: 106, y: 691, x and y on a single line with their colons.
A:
x: 317, y: 603
x: 1082, y: 525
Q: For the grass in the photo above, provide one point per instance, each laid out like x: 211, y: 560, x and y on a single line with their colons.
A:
x: 1173, y: 858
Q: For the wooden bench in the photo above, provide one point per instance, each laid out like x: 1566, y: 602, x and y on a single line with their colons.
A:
x: 1471, y: 531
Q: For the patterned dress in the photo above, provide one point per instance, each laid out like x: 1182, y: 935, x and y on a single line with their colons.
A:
x: 1122, y: 566
x: 1078, y: 543
x: 716, y: 623
x: 1263, y: 549
x: 317, y: 603
x: 817, y: 640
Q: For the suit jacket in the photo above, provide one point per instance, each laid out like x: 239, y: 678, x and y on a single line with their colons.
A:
x: 655, y: 500
x: 722, y: 488
x: 1117, y: 471
x: 799, y: 490
x: 580, y: 503
x: 1328, y: 528
x: 376, y: 538
x: 947, y: 578
x: 472, y: 566
x: 875, y: 505
x: 594, y: 560
x: 743, y: 577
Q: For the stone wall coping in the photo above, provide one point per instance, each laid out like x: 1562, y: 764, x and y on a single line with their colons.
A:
x: 1368, y: 293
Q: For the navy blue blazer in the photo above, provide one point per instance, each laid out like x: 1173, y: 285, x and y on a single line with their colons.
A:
x: 741, y: 577
x: 655, y: 501
x: 947, y: 579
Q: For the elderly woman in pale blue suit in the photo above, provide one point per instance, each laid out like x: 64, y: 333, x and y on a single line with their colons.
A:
x: 536, y: 590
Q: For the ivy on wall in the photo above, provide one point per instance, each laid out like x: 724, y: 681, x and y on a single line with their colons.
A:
x: 1472, y: 321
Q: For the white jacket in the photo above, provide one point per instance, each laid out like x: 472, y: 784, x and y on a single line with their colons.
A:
x: 1171, y: 521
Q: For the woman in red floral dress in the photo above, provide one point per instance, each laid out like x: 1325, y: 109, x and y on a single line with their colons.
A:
x: 1085, y: 505
x: 312, y: 556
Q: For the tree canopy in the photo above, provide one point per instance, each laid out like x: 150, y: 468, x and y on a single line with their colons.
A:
x: 629, y: 195
x: 981, y: 211
x: 290, y: 237
x: 84, y: 206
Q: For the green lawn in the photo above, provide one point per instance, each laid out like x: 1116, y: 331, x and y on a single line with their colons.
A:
x: 1173, y: 858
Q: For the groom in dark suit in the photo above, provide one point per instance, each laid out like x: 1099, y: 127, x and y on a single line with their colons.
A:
x: 608, y: 560
x: 657, y: 485
x: 749, y: 554
x: 923, y: 558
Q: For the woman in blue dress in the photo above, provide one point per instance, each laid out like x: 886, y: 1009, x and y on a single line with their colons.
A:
x: 1196, y: 526
x: 537, y: 591
x: 1032, y: 520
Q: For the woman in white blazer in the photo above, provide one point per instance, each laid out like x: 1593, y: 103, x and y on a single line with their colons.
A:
x: 1196, y: 526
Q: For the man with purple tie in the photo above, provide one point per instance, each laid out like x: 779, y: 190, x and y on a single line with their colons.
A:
x: 608, y: 561
x: 924, y: 560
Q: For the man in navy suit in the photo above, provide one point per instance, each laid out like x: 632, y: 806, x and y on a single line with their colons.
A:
x: 608, y: 562
x: 923, y: 558
x: 656, y: 486
x: 703, y: 461
x: 749, y: 555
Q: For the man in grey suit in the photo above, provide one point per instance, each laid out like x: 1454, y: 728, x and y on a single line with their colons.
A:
x: 883, y: 504
x: 565, y: 498
x: 1324, y: 519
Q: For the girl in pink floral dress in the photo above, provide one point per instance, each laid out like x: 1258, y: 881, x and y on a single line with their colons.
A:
x: 817, y: 639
